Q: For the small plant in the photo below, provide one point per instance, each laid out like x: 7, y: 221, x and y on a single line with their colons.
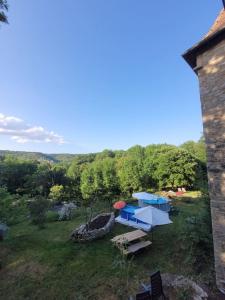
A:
x: 38, y: 209
x: 123, y: 266
x: 184, y: 293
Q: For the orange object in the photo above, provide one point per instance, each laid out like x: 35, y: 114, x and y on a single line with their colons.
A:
x: 119, y: 204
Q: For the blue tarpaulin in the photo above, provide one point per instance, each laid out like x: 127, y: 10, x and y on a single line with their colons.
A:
x: 145, y: 199
x: 128, y: 213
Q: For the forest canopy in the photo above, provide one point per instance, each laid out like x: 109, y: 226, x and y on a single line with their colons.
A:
x: 84, y: 176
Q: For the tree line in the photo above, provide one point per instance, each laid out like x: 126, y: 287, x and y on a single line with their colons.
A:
x: 154, y: 167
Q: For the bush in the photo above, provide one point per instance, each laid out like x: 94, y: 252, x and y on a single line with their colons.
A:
x: 38, y: 209
x: 56, y: 193
x: 198, y: 233
x: 12, y: 208
x: 67, y: 211
x: 52, y: 216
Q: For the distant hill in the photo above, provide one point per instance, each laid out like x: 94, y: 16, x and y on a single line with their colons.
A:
x: 55, y: 158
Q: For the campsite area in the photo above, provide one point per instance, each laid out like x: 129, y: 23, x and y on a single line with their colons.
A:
x: 44, y: 263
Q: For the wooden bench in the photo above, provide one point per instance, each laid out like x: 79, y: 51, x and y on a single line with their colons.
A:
x: 136, y: 247
x: 129, y: 237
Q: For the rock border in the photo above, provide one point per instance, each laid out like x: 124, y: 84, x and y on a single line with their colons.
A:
x: 81, y: 234
x: 177, y: 282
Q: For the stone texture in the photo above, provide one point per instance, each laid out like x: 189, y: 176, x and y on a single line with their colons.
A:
x: 176, y: 282
x: 207, y: 58
x: 211, y: 75
x: 84, y: 234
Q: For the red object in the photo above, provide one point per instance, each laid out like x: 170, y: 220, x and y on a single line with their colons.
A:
x: 119, y: 204
x: 179, y: 193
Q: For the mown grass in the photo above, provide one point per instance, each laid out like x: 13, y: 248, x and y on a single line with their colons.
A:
x: 45, y: 264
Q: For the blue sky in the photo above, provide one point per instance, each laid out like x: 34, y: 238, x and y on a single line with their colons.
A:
x: 85, y: 75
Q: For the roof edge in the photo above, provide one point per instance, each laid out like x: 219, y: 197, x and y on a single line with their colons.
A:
x: 191, y: 54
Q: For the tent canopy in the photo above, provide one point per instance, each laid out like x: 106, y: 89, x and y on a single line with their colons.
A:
x: 152, y: 215
x: 150, y: 198
x: 145, y: 196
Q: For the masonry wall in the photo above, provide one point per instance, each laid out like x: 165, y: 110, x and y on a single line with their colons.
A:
x: 212, y: 89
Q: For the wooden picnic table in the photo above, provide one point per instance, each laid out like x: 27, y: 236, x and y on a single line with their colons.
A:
x: 135, y: 247
x: 124, y: 241
x: 129, y: 237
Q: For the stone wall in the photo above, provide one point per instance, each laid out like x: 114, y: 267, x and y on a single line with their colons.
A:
x: 211, y: 73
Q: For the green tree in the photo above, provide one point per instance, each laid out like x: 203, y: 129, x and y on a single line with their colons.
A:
x: 46, y: 176
x: 42, y: 180
x: 99, y: 178
x: 88, y: 182
x: 3, y: 8
x: 15, y: 173
x: 92, y: 181
x: 176, y: 168
x: 74, y: 176
x: 58, y: 173
x: 196, y: 148
x: 105, y: 154
x: 153, y: 154
x: 109, y: 175
x: 131, y: 173
x: 85, y: 158
x: 56, y: 193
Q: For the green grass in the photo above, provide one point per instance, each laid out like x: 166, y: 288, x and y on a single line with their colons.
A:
x: 45, y: 264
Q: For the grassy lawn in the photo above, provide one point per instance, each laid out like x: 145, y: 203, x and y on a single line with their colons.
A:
x: 44, y: 264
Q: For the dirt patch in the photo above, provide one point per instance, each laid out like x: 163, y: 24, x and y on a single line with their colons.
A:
x: 99, y: 222
x: 20, y: 268
x: 180, y: 287
x: 218, y: 296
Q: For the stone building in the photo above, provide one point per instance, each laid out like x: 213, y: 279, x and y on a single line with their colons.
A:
x: 207, y: 59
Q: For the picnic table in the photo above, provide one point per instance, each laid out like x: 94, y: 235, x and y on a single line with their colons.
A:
x: 131, y: 242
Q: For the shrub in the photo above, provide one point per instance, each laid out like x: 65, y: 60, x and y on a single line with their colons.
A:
x: 52, y: 216
x: 66, y: 213
x: 38, y: 209
x: 198, y: 233
x: 12, y: 207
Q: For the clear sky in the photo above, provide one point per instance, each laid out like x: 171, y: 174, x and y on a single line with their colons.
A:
x: 85, y: 75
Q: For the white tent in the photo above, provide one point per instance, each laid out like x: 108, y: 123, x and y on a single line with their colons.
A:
x: 152, y: 216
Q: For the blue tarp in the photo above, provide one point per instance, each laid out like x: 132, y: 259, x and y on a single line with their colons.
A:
x: 130, y: 209
x: 127, y: 213
x: 157, y: 201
